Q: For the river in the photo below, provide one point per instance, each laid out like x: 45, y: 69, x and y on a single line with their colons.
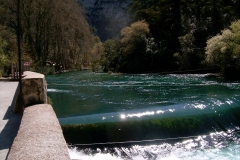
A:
x: 86, y: 97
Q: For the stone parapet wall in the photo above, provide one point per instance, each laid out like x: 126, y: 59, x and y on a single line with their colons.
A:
x: 40, y: 136
x: 34, y: 89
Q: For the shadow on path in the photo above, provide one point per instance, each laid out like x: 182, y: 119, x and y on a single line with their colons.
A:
x: 12, y: 121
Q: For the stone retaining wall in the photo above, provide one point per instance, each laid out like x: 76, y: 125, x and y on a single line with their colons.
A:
x: 34, y: 88
x: 40, y: 136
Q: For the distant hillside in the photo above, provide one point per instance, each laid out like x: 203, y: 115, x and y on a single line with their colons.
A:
x: 108, y: 17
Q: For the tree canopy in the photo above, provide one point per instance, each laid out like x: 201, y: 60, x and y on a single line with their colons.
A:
x: 223, y: 49
x: 178, y: 34
x: 52, y: 32
x: 164, y: 36
x: 219, y: 48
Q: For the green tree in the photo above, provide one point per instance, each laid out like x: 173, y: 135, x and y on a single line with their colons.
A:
x: 134, y: 45
x: 223, y: 50
x: 8, y: 45
x: 235, y: 27
x: 4, y: 60
x: 111, y: 55
x: 163, y: 18
x: 219, y: 49
x: 96, y: 53
x: 189, y: 57
x: 52, y: 32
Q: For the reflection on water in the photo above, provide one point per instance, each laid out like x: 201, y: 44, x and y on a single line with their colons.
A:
x: 218, y: 145
x: 125, y: 115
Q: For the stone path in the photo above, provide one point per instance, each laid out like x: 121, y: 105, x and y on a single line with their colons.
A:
x: 9, y: 122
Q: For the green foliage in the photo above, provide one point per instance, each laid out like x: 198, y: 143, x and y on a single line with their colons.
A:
x: 95, y: 55
x: 7, y: 50
x: 235, y: 27
x: 223, y: 50
x: 110, y: 56
x: 56, y: 32
x: 46, y: 70
x: 163, y: 18
x: 172, y: 22
x: 96, y: 67
x: 49, y: 101
x: 4, y: 59
x: 189, y: 57
x: 53, y: 32
x: 219, y: 49
x: 133, y: 43
x: 133, y: 33
x: 131, y: 52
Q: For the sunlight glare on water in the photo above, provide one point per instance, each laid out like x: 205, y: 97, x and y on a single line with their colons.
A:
x: 86, y: 97
x: 78, y: 95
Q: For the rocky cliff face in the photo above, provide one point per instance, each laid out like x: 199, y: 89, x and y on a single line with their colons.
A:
x: 108, y: 17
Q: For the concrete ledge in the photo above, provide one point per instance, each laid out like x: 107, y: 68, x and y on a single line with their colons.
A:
x: 40, y: 136
x: 30, y: 75
x: 34, y: 90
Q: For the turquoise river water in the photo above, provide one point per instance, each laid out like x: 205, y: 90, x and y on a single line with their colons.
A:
x: 86, y: 97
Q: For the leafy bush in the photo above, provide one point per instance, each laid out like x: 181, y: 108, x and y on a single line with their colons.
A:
x: 219, y: 50
x: 224, y: 50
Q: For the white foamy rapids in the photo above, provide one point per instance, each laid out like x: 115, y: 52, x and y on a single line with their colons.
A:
x: 228, y: 153
x: 218, y: 145
x: 58, y: 90
x: 79, y: 155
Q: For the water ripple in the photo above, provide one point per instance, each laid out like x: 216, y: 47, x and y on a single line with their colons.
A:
x: 59, y: 90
